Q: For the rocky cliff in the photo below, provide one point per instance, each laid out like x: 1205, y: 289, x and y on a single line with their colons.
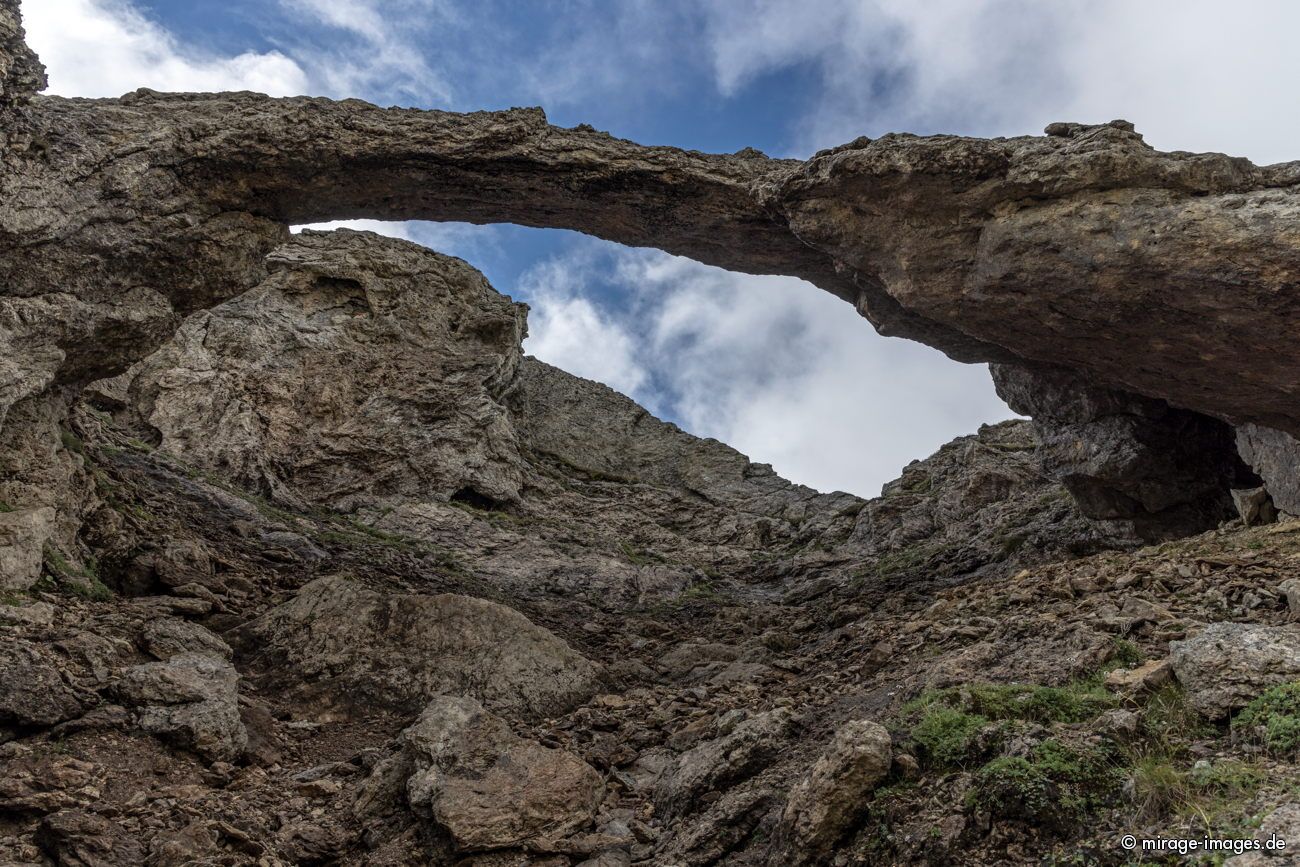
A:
x: 303, y: 561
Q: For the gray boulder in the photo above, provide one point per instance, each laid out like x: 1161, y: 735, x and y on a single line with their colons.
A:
x: 724, y: 761
x: 825, y: 804
x: 191, y: 700
x: 1227, y: 665
x: 23, y: 534
x: 338, y: 642
x: 489, y: 789
x: 168, y: 637
x: 32, y: 691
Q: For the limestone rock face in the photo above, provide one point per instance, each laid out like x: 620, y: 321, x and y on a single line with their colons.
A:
x: 356, y: 370
x: 340, y: 640
x: 398, y: 412
x: 23, y: 534
x: 1227, y: 665
x: 1167, y: 472
x: 824, y: 805
x: 21, y: 73
x: 1275, y: 455
x: 724, y: 760
x: 1021, y: 251
x: 489, y: 789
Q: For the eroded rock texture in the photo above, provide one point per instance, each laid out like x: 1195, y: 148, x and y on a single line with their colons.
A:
x: 1156, y: 274
x: 303, y: 562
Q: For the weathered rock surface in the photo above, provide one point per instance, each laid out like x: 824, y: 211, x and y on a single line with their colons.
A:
x: 1275, y: 455
x: 32, y: 693
x: 495, y: 431
x: 170, y: 637
x: 1228, y: 664
x: 356, y: 370
x: 344, y: 405
x: 342, y: 643
x: 1165, y: 471
x: 23, y: 535
x: 723, y: 761
x: 826, y: 803
x: 21, y: 73
x: 489, y: 789
x: 190, y: 700
x: 1019, y: 251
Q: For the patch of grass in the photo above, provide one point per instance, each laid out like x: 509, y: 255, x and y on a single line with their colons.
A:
x: 1162, y: 787
x: 83, y: 582
x: 13, y: 598
x: 1169, y: 722
x: 1056, y: 786
x: 5, y: 507
x: 639, y: 556
x: 1273, y: 719
x: 1076, y: 702
x: 72, y: 442
x: 90, y: 589
x: 901, y: 562
x: 949, y: 737
x: 702, y: 591
x: 1127, y: 654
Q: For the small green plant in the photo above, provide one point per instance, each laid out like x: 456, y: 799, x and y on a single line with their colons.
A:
x: 1127, y: 654
x: 949, y: 737
x: 90, y: 589
x: 1169, y: 722
x: 72, y: 442
x: 1162, y: 787
x: 5, y: 507
x: 13, y: 597
x: 639, y: 556
x: 1056, y: 786
x: 1075, y: 702
x: 1274, y: 719
x: 83, y: 581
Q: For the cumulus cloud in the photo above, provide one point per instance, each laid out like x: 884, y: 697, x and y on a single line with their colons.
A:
x: 1191, y: 76
x: 379, y: 49
x: 339, y: 48
x: 781, y: 370
x: 107, y: 48
x: 567, y: 329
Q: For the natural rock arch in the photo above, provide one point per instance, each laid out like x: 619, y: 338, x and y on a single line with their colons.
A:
x: 1164, y: 275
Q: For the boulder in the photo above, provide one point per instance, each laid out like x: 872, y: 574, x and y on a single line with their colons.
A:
x: 489, y: 789
x: 341, y: 643
x: 825, y: 804
x: 1227, y: 665
x: 32, y: 690
x: 169, y: 637
x: 191, y: 700
x: 1254, y: 506
x: 724, y: 761
x: 23, y: 534
x: 1274, y: 454
x: 78, y: 838
x: 1147, y: 677
x: 361, y: 367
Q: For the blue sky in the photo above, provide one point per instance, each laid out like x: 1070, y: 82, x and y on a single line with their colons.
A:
x: 784, y: 372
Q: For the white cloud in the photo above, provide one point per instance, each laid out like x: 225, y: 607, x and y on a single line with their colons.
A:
x: 107, y: 48
x: 781, y: 370
x: 1189, y: 75
x: 379, y: 48
x: 567, y: 330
